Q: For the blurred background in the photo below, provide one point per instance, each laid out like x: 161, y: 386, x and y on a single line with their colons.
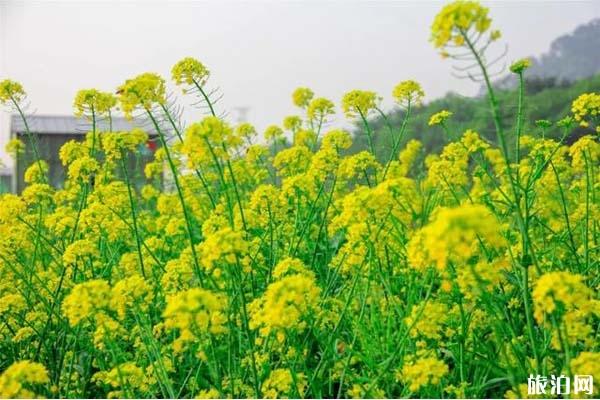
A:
x: 260, y: 51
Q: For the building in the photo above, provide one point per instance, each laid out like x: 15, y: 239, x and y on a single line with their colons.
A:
x: 52, y: 132
x: 5, y: 180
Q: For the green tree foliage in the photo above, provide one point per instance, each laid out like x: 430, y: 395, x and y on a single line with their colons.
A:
x: 546, y: 99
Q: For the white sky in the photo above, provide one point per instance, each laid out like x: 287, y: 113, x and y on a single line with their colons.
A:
x: 257, y: 51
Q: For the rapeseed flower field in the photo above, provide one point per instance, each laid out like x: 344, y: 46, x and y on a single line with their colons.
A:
x: 283, y: 266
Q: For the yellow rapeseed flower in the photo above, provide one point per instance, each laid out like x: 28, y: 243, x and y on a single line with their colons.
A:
x: 422, y: 370
x: 85, y: 299
x: 456, y: 19
x: 454, y: 235
x: 143, y: 91
x: 586, y: 109
x: 14, y: 147
x: 190, y: 71
x: 11, y: 91
x: 16, y: 380
x: 439, y: 117
x: 338, y: 139
x: 83, y: 168
x: 195, y: 313
x: 273, y: 133
x: 519, y: 66
x: 127, y: 376
x: 36, y: 172
x: 408, y: 92
x: 320, y: 108
x: 280, y: 384
x: 133, y: 294
x: 359, y: 102
x: 428, y: 320
x: 559, y: 289
x: 302, y: 96
x: 92, y: 100
x: 587, y: 363
x: 285, y: 304
x: 115, y: 143
x: 245, y: 130
x: 292, y: 123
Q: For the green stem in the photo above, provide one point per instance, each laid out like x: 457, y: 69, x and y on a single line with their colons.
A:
x: 396, y: 143
x: 368, y: 132
x: 206, y: 99
x: 93, y: 149
x: 523, y: 221
x: 186, y: 215
x: 30, y: 137
x: 133, y: 214
x: 198, y: 172
x: 529, y: 317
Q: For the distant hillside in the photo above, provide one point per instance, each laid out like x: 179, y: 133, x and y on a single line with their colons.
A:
x: 552, y: 103
x: 570, y: 57
x: 570, y: 67
x: 573, y: 56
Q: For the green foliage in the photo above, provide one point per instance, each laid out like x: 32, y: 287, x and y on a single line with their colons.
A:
x: 552, y: 103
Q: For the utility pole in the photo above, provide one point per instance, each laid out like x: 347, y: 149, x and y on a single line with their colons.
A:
x: 241, y: 114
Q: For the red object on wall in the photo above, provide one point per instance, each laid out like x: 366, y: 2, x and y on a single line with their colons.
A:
x: 151, y: 144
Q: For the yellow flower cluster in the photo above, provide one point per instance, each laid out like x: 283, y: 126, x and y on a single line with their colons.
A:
x: 36, y: 172
x: 292, y: 161
x: 207, y: 139
x: 455, y: 235
x: 245, y: 130
x: 292, y: 123
x: 587, y: 364
x: 115, y: 144
x: 273, y: 133
x: 190, y: 71
x: 286, y: 303
x: 132, y: 293
x: 564, y: 303
x: 408, y: 92
x: 195, y: 313
x: 519, y: 66
x: 427, y: 321
x: 455, y: 21
x: 125, y: 376
x: 584, y: 153
x: 71, y: 151
x: 16, y: 380
x: 422, y: 370
x: 337, y: 139
x: 320, y: 108
x: 81, y: 250
x: 359, y: 103
x: 222, y: 245
x: 559, y: 292
x: 586, y: 109
x: 85, y: 300
x: 302, y: 97
x: 11, y: 91
x: 88, y: 101
x: 439, y: 118
x: 281, y: 383
x: 143, y: 91
x: 14, y: 147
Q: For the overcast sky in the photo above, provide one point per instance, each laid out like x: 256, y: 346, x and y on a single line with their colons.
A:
x: 258, y: 52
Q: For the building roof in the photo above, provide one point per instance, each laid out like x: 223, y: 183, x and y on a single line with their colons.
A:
x: 63, y: 124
